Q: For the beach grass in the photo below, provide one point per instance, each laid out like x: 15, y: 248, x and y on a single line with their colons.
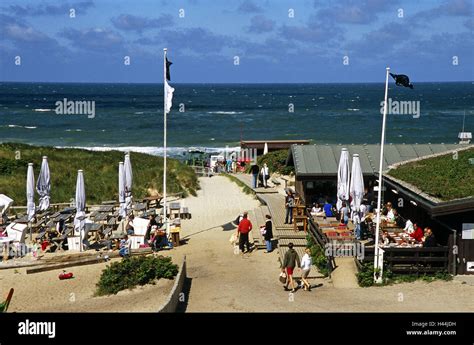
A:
x: 445, y: 177
x: 100, y: 173
x: 246, y: 189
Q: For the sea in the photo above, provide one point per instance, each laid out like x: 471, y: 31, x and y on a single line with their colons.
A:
x: 212, y: 117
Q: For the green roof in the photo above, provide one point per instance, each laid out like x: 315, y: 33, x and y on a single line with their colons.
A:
x: 323, y: 160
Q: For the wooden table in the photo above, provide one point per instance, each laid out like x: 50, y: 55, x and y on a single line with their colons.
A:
x: 106, y: 208
x: 303, y: 219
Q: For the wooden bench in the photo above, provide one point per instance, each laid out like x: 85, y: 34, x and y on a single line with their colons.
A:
x: 275, y: 182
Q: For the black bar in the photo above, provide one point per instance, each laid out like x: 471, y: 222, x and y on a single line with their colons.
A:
x: 257, y: 328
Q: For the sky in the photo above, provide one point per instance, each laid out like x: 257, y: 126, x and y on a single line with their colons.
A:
x: 236, y: 41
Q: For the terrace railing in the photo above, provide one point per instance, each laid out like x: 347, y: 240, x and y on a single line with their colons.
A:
x: 410, y: 260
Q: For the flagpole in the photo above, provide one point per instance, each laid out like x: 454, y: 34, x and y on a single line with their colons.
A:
x: 164, y: 141
x: 378, y: 277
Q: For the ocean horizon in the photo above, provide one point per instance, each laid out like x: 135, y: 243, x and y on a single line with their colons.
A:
x: 129, y: 116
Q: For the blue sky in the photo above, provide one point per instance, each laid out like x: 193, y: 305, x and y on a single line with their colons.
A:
x: 272, y: 46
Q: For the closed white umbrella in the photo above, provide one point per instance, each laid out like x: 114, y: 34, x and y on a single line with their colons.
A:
x: 265, y: 149
x: 121, y: 182
x: 30, y: 192
x: 79, y: 219
x: 357, y: 184
x: 43, y: 185
x: 343, y: 179
x: 128, y: 175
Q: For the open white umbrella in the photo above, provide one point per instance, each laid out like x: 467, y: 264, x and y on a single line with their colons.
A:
x: 128, y: 176
x: 343, y: 179
x: 357, y: 183
x: 121, y: 182
x: 30, y: 192
x: 265, y: 149
x: 43, y: 185
x: 79, y: 219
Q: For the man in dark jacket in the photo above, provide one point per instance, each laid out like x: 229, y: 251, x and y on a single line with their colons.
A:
x: 254, y: 170
x: 268, y: 235
x: 290, y: 261
x: 430, y: 240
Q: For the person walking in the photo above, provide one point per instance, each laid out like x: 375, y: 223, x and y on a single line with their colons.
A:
x: 245, y: 226
x: 254, y: 171
x: 306, y: 263
x: 265, y: 174
x: 268, y: 233
x: 290, y: 261
x: 289, y: 204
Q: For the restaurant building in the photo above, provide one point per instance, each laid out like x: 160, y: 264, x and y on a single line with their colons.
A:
x: 316, y: 179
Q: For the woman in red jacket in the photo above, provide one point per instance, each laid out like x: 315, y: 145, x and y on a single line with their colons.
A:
x: 418, y: 233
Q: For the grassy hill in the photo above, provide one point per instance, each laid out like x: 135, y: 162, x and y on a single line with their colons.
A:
x: 100, y: 173
x: 445, y: 177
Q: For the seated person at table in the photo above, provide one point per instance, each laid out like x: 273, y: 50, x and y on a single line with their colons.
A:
x: 316, y: 210
x: 417, y: 233
x: 409, y: 228
x: 328, y: 209
x: 129, y: 227
x: 430, y: 240
x: 159, y: 240
x: 151, y: 223
x: 398, y: 220
x: 385, y: 239
x: 391, y: 214
x: 125, y: 245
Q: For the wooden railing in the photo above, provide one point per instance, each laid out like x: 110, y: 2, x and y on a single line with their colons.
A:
x: 410, y: 260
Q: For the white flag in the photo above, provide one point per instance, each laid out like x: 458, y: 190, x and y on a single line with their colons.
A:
x: 169, y: 96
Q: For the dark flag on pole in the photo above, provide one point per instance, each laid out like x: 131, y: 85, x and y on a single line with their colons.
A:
x: 402, y: 80
x: 168, y: 64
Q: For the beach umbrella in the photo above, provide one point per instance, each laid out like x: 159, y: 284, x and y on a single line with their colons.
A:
x: 121, y: 182
x: 357, y: 183
x: 30, y: 192
x: 343, y: 178
x: 128, y: 177
x: 265, y: 149
x: 79, y: 219
x: 43, y: 185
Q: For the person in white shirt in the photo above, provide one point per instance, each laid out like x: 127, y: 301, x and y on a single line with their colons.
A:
x: 306, y: 263
x: 316, y: 210
x: 409, y: 228
x: 265, y: 174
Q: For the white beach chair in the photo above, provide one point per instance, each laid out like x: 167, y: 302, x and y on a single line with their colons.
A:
x: 139, y: 231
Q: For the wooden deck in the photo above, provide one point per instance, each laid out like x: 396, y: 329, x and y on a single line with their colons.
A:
x: 274, y: 204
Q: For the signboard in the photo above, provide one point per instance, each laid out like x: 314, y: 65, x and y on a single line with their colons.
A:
x: 468, y: 231
x: 470, y: 266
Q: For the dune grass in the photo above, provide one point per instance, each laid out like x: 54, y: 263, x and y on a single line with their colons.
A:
x: 445, y: 177
x: 100, y: 173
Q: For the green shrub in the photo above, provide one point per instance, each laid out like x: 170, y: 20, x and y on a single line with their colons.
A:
x: 133, y: 271
x: 276, y: 162
x: 317, y: 255
x: 365, y: 276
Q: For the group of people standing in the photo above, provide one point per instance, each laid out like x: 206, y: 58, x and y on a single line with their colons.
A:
x: 291, y: 259
x: 260, y: 174
x: 245, y: 226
